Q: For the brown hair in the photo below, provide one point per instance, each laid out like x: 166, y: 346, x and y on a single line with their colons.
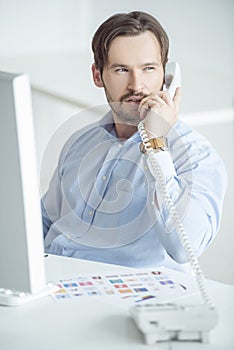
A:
x: 126, y: 24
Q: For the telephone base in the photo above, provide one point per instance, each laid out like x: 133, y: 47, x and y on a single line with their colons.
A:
x: 15, y: 298
x: 164, y: 322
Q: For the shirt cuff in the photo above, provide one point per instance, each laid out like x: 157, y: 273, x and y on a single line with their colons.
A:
x: 166, y: 164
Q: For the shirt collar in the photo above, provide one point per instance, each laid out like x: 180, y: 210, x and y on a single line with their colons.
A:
x: 107, y: 123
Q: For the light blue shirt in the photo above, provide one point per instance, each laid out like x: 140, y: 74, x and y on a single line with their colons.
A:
x: 103, y: 202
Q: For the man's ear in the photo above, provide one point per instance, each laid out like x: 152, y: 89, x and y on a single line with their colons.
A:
x: 97, y: 76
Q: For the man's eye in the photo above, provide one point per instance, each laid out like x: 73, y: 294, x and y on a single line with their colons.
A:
x: 149, y: 68
x: 121, y: 70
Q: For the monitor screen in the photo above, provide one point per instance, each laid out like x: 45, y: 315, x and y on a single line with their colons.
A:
x: 21, y: 238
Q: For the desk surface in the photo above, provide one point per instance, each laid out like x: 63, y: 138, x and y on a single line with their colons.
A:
x: 90, y: 324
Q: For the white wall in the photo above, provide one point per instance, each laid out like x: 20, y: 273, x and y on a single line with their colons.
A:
x: 41, y: 37
x: 201, y: 35
x: 32, y: 26
x: 218, y: 261
x: 51, y: 40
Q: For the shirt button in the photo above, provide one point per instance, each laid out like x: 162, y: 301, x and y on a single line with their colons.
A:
x: 145, y: 167
x: 104, y: 177
x: 90, y: 212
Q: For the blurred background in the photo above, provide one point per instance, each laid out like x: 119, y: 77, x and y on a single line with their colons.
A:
x: 51, y: 42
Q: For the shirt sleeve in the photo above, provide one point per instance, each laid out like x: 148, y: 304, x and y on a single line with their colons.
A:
x: 51, y: 202
x: 195, y: 179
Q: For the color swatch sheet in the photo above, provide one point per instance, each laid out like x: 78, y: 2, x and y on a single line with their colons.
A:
x: 128, y: 287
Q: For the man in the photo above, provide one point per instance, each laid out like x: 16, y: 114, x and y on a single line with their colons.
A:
x: 104, y: 202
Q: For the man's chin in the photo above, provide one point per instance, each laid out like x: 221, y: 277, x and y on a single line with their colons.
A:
x: 127, y: 118
x: 127, y: 113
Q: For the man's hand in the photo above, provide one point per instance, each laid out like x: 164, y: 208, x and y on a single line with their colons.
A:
x: 159, y: 112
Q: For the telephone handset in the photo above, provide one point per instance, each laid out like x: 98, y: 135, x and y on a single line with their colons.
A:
x: 172, y: 78
x: 203, y: 318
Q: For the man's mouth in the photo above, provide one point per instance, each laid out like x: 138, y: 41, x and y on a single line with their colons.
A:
x: 134, y: 100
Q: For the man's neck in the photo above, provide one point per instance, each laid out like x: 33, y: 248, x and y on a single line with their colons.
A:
x: 124, y: 131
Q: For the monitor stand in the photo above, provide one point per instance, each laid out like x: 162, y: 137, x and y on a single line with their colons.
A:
x: 15, y: 298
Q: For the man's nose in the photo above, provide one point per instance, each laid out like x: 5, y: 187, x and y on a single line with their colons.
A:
x: 136, y: 82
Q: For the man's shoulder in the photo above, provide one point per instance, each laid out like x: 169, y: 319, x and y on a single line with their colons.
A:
x: 91, y: 133
x: 185, y: 131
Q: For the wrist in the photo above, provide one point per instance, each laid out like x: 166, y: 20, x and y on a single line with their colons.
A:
x: 158, y: 144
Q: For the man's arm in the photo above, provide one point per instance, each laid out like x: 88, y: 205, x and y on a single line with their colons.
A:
x: 51, y: 203
x: 196, y: 180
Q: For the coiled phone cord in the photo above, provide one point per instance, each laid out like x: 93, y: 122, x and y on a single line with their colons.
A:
x: 174, y: 216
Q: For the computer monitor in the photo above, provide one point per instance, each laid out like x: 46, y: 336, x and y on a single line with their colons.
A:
x: 22, y: 270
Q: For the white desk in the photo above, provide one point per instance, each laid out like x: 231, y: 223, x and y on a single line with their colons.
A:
x: 92, y: 325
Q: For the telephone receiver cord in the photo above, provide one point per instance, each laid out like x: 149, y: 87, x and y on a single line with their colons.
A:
x: 157, y: 172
